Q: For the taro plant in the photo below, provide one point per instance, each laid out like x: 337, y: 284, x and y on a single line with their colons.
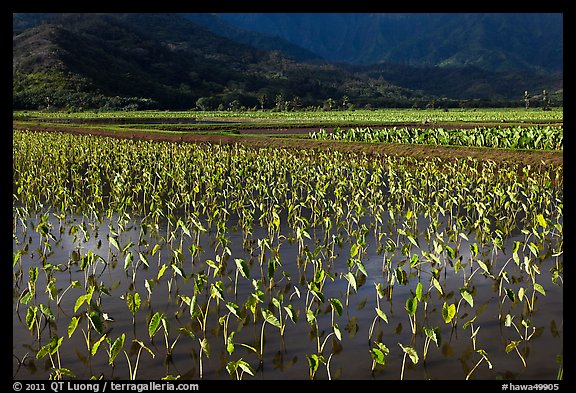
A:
x: 410, y: 352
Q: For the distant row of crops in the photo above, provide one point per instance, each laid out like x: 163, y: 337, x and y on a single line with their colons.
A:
x: 136, y: 259
x: 365, y: 117
x: 517, y: 137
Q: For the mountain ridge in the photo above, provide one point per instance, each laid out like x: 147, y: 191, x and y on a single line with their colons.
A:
x: 527, y: 41
x: 167, y: 61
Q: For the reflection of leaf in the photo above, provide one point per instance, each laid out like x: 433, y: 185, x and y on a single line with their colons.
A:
x: 554, y: 329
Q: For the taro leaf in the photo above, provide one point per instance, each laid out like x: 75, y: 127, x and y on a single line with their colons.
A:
x: 205, y: 346
x: 271, y: 318
x: 434, y: 335
x: 361, y: 267
x: 511, y: 295
x: 46, y: 311
x: 245, y: 366
x: 310, y: 316
x: 128, y: 260
x: 541, y: 220
x: 143, y: 346
x: 401, y: 275
x: 539, y: 288
x: 382, y: 314
x: 469, y: 322
x: 534, y: 249
x: 242, y: 266
x: 411, y: 352
x: 25, y: 299
x: 411, y: 306
x: 448, y: 312
x: 291, y: 313
x: 133, y: 302
x: 314, y: 361
x: 413, y: 241
x: 97, y: 345
x: 72, y: 326
x: 50, y: 348
x: 451, y: 252
x: 33, y: 273
x: 377, y: 355
x: 336, y: 305
x: 143, y: 259
x: 484, y: 267
x: 337, y: 332
x: 155, y: 249
x: 508, y: 320
x: 216, y: 290
x: 354, y: 250
x: 413, y: 260
x: 230, y: 343
x: 436, y: 284
x: 177, y: 269
x: 96, y: 321
x: 187, y: 332
x: 351, y: 279
x: 466, y: 295
x: 419, y: 291
x: 233, y: 308
x: 31, y: 316
x: 16, y: 257
x: 161, y: 271
x: 408, y: 214
x: 474, y: 249
x: 62, y: 371
x: 113, y: 241
x: 512, y: 345
x: 521, y: 293
x: 154, y: 323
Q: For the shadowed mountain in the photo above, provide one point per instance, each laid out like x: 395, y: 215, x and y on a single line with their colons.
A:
x: 129, y: 61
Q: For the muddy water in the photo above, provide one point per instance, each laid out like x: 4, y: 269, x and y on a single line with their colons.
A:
x: 284, y: 357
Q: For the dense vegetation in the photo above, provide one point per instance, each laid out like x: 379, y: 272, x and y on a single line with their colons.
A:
x: 154, y: 260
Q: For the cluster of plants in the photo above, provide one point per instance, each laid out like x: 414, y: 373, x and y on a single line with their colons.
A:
x: 517, y: 137
x: 233, y: 249
x: 376, y: 116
